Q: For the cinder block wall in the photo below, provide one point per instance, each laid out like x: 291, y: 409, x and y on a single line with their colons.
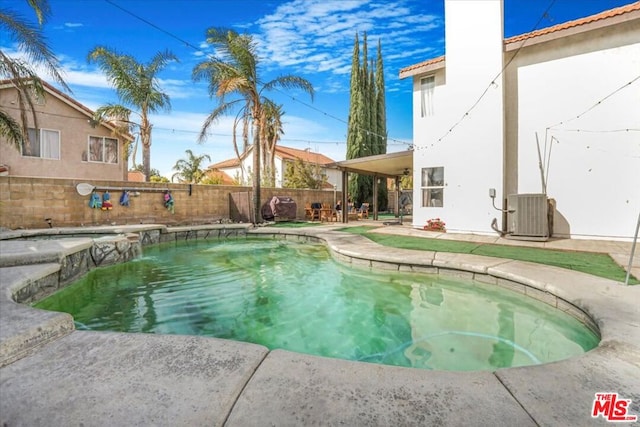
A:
x: 27, y: 202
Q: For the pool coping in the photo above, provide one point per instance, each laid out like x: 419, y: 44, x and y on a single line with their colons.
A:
x: 256, y: 386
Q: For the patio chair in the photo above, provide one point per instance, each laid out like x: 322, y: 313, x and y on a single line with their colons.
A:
x: 363, y: 212
x: 312, y: 211
x: 327, y: 213
x: 352, y: 213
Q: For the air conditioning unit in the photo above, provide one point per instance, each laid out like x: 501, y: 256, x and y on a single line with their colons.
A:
x: 527, y: 217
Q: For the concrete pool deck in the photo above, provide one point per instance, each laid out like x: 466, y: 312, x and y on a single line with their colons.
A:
x: 54, y: 375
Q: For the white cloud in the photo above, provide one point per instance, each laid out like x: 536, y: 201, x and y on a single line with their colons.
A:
x: 316, y: 36
x: 85, y: 78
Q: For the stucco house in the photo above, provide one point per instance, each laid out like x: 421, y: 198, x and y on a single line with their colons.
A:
x: 67, y: 143
x: 503, y: 125
x: 239, y: 169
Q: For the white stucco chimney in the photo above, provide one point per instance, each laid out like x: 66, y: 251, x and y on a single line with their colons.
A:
x: 473, y: 43
x: 466, y: 134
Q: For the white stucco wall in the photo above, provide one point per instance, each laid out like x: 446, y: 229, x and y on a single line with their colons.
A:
x: 234, y: 173
x: 594, y: 168
x: 247, y: 162
x: 334, y: 177
x: 468, y: 146
x: 279, y: 172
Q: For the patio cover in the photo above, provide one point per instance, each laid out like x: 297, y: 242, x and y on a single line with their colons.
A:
x: 391, y: 165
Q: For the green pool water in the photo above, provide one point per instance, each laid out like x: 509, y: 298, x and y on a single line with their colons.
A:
x: 293, y: 296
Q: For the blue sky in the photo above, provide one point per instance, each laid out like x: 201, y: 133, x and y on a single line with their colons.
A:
x: 308, y: 38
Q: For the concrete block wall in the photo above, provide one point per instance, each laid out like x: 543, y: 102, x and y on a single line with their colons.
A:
x: 26, y: 203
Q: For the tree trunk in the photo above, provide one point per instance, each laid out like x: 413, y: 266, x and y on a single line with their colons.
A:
x: 256, y: 170
x: 145, y: 139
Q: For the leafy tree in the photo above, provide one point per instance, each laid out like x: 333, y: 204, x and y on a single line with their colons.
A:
x: 299, y: 174
x: 158, y: 178
x: 235, y: 73
x: 154, y: 176
x: 137, y: 86
x: 189, y: 170
x: 356, y: 135
x: 366, y: 134
x: 21, y: 73
x: 238, y: 179
x: 380, y: 131
x: 212, y: 180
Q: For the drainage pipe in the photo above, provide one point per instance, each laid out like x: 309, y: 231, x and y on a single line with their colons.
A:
x: 633, y: 249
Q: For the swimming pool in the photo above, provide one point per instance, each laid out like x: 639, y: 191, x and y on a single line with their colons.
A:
x: 294, y: 296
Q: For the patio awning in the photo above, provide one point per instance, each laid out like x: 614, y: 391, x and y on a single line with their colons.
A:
x: 391, y: 165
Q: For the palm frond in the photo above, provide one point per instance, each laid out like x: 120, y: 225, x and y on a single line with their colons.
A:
x: 11, y: 130
x: 32, y: 43
x: 213, y: 118
x: 41, y: 9
x: 291, y: 82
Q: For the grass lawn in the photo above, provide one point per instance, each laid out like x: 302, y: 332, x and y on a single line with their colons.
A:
x: 598, y: 264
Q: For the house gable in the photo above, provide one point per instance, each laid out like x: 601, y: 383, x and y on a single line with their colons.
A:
x: 70, y: 125
x: 239, y: 167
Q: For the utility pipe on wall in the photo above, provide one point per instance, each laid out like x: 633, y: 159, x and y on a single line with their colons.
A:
x: 633, y: 249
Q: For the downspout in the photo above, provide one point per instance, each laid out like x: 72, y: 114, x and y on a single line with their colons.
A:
x: 633, y: 250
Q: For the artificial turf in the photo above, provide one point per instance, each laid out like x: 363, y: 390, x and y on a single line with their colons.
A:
x: 597, y: 264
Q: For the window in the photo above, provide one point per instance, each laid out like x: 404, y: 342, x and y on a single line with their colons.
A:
x: 103, y: 149
x: 427, y: 84
x: 44, y: 143
x: 432, y: 187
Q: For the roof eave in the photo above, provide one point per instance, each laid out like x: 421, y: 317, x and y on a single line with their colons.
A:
x: 618, y: 16
x: 423, y: 69
x: 514, y: 43
x: 51, y: 90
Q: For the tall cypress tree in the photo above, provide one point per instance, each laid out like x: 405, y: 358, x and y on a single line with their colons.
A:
x: 352, y: 152
x: 381, y: 124
x: 366, y: 134
x: 356, y: 137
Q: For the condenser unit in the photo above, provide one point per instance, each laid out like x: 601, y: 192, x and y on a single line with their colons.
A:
x: 527, y: 217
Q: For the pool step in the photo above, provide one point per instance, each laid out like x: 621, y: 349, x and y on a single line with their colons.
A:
x: 25, y: 328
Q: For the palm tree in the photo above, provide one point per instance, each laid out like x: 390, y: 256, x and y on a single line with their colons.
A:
x: 137, y: 86
x: 236, y: 73
x: 271, y: 132
x: 241, y: 119
x: 189, y: 170
x: 21, y: 73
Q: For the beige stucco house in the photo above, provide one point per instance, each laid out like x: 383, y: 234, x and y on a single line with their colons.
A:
x: 67, y: 142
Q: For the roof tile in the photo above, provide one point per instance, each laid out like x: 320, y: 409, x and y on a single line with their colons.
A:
x: 286, y: 153
x: 577, y: 22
